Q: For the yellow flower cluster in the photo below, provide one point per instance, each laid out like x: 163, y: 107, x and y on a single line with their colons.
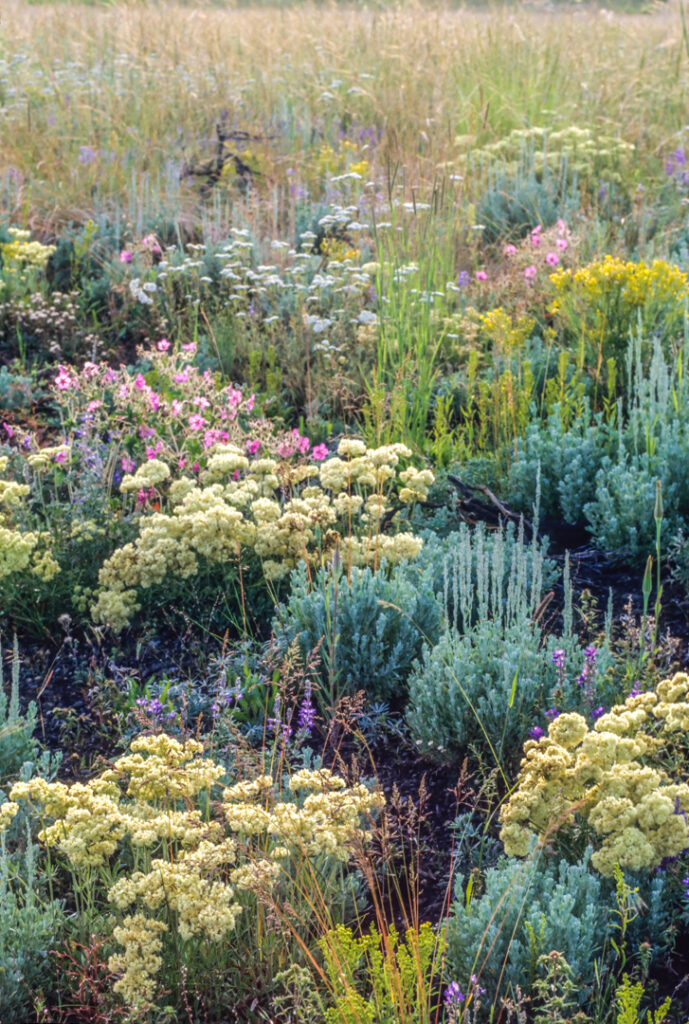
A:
x: 142, y: 940
x: 149, y: 474
x: 280, y: 512
x: 584, y: 150
x: 637, y: 284
x: 21, y: 550
x: 194, y: 866
x: 20, y: 252
x: 610, y: 777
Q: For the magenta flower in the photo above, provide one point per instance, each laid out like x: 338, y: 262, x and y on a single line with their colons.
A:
x: 561, y: 244
x: 154, y: 400
x: 61, y: 457
x: 197, y: 422
x: 481, y: 275
x: 201, y: 402
x: 126, y: 256
x: 181, y: 378
x: 63, y: 381
x: 92, y: 406
x: 140, y: 381
x: 189, y: 347
x: 552, y: 259
x: 177, y: 407
x: 509, y: 250
x: 163, y: 345
x: 252, y: 447
x: 531, y: 272
x: 250, y: 402
x: 8, y: 428
x: 320, y: 452
x: 285, y: 449
x: 128, y: 464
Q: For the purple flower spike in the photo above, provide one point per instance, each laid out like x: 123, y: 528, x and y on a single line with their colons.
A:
x: 453, y: 994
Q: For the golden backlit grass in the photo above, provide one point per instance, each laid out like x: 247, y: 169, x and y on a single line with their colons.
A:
x: 143, y: 84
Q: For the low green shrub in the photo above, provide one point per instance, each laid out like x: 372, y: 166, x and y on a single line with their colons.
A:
x: 370, y: 627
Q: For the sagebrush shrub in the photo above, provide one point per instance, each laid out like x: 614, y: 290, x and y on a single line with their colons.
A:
x: 370, y: 627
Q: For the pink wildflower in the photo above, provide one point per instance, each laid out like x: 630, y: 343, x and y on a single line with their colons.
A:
x: 561, y: 227
x: 189, y: 347
x: 201, y: 402
x: 92, y: 406
x: 481, y: 275
x: 153, y: 451
x: 531, y: 272
x: 9, y: 429
x: 126, y: 256
x: 128, y: 464
x: 320, y: 452
x: 249, y: 404
x: 197, y: 422
x: 140, y: 381
x: 163, y: 345
x: 63, y: 381
x: 561, y: 243
x: 509, y: 250
x: 285, y: 449
x: 153, y: 400
x: 182, y: 377
x: 302, y: 443
x: 552, y: 259
x: 61, y: 457
x: 89, y: 368
x: 252, y: 447
x: 176, y: 407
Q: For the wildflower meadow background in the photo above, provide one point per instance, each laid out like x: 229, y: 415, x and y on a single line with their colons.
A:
x: 344, y: 513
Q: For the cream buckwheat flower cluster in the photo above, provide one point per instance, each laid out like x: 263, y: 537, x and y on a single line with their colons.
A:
x: 194, y: 863
x: 281, y: 512
x: 21, y: 550
x: 610, y: 777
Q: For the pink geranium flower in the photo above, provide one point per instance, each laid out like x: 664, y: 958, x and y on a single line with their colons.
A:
x: 126, y: 256
x: 163, y: 345
x: 320, y: 452
x: 481, y: 275
x: 197, y: 422
x: 63, y: 381
x: 531, y: 272
x: 552, y: 259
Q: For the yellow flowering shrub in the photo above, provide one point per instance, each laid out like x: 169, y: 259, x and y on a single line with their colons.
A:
x: 598, y: 305
x: 612, y: 778
x: 280, y: 512
x: 186, y: 866
x: 19, y: 252
x: 21, y: 550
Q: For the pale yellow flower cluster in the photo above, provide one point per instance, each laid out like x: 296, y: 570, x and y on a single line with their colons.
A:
x: 46, y: 457
x: 326, y: 823
x: 193, y: 868
x: 21, y: 550
x: 142, y: 940
x: 20, y: 252
x: 609, y: 776
x: 149, y: 474
x: 275, y: 510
